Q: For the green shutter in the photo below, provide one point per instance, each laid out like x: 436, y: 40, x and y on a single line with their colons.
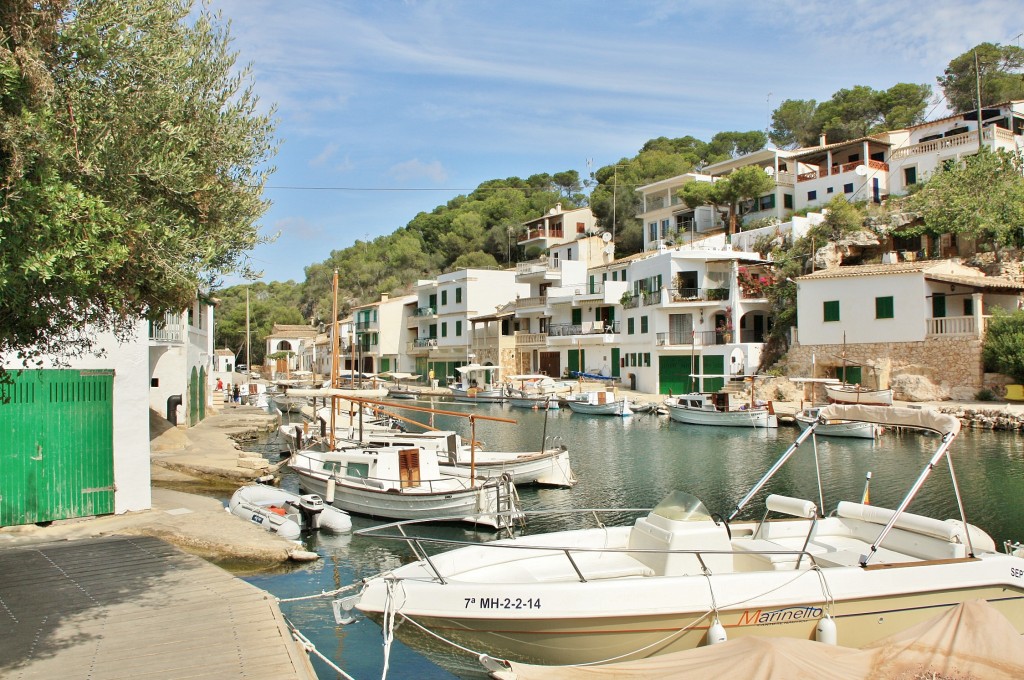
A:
x: 444, y: 297
x: 629, y: 325
x: 577, y: 316
x: 883, y: 307
x: 643, y: 324
x: 831, y: 310
x: 444, y: 329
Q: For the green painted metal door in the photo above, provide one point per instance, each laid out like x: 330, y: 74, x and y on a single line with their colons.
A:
x: 714, y: 365
x: 674, y: 374
x: 576, y: 360
x: 193, y: 398
x: 615, y: 362
x: 56, y: 446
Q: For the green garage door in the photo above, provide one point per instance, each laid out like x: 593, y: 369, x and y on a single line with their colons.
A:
x: 714, y: 365
x: 56, y: 446
x: 674, y: 374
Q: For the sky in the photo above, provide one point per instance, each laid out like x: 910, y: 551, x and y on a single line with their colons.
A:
x: 389, y: 108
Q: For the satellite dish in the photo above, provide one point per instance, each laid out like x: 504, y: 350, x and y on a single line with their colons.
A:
x: 769, y: 171
x: 606, y: 237
x: 608, y: 250
x: 861, y: 170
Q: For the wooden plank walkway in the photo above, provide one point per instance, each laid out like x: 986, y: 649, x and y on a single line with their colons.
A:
x: 136, y: 607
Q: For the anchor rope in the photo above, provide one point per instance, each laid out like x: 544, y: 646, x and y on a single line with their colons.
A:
x: 323, y: 593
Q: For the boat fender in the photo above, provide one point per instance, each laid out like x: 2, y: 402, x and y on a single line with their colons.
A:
x: 716, y: 633
x: 826, y: 631
x: 329, y: 496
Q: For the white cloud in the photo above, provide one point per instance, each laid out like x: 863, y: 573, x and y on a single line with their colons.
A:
x: 298, y: 228
x: 416, y: 169
x: 325, y: 155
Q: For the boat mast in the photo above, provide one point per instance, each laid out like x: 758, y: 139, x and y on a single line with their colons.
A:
x: 335, y: 353
x: 248, y: 364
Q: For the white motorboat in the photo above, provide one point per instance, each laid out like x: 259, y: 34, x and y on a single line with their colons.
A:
x: 714, y: 409
x: 599, y: 404
x: 285, y: 513
x: 855, y: 394
x: 399, y: 483
x: 478, y: 384
x: 837, y: 428
x: 543, y: 403
x: 549, y: 467
x: 680, y: 576
x: 398, y: 390
x: 538, y: 384
x: 287, y: 403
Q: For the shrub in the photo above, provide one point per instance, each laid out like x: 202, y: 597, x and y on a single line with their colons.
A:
x: 1003, y: 351
x: 985, y: 394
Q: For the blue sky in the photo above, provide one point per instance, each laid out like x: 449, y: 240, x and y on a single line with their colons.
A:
x: 389, y: 108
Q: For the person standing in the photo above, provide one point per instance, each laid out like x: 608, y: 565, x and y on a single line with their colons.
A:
x: 433, y: 380
x: 236, y: 394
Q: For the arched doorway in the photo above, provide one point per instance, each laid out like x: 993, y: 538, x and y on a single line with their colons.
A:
x: 193, y: 398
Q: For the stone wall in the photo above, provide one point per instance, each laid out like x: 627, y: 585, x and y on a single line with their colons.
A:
x: 953, y: 365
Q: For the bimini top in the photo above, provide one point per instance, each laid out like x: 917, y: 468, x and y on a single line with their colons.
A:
x: 894, y: 416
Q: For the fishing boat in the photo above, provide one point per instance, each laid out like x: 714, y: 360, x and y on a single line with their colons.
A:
x: 286, y: 514
x: 546, y: 467
x: 599, y: 404
x: 715, y: 409
x: 843, y: 393
x: 288, y: 403
x: 681, y: 576
x: 836, y: 428
x: 478, y: 384
x: 403, y: 483
x: 399, y: 391
x: 545, y: 403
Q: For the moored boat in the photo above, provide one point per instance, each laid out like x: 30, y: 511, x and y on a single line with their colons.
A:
x: 284, y: 513
x: 599, y: 404
x: 855, y: 394
x: 838, y: 428
x: 680, y: 576
x: 478, y: 384
x: 714, y: 409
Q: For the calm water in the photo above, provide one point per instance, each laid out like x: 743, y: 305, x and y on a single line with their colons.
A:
x: 634, y: 463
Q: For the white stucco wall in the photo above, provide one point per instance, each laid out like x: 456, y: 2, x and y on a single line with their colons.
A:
x: 856, y: 296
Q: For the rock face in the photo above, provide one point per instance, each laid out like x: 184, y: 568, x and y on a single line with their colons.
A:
x: 777, y: 389
x: 911, y: 387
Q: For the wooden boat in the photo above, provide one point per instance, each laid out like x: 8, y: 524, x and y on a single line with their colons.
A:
x: 399, y: 391
x: 599, y: 404
x: 285, y: 513
x: 403, y: 483
x: 681, y: 576
x: 838, y: 428
x: 714, y: 409
x: 478, y: 384
x: 548, y: 467
x: 855, y: 394
x: 545, y: 403
x: 287, y: 403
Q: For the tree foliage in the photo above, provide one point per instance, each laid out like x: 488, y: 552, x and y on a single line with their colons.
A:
x: 1002, y: 76
x: 1003, y: 351
x: 850, y: 113
x: 132, y: 160
x: 276, y: 302
x: 981, y: 196
x: 746, y: 183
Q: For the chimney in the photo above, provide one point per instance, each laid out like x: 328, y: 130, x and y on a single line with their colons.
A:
x: 384, y: 297
x: 821, y: 140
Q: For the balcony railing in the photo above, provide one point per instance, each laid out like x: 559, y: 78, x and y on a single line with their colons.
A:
x: 587, y: 328
x: 535, y: 301
x: 421, y: 343
x: 362, y: 325
x: 698, y: 338
x: 841, y: 169
x: 963, y: 139
x: 956, y: 326
x: 550, y: 232
x: 425, y: 311
x: 171, y: 329
x: 534, y: 267
x: 632, y: 302
x: 523, y: 339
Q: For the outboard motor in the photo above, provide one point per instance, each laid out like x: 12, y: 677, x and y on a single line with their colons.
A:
x: 311, y: 505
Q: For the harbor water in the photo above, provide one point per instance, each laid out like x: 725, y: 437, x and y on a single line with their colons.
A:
x: 634, y: 462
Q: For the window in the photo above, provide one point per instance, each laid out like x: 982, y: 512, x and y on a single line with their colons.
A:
x: 664, y: 228
x: 848, y: 188
x: 968, y: 307
x: 630, y: 326
x: 652, y: 231
x: 909, y: 176
x: 787, y: 201
x: 812, y: 195
x: 766, y: 202
x: 458, y: 329
x: 832, y: 310
x: 643, y: 324
x: 444, y: 329
x: 458, y: 295
x: 647, y: 358
x: 444, y: 297
x: 883, y: 307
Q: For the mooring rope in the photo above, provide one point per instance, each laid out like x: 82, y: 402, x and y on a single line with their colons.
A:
x: 310, y: 648
x: 323, y: 593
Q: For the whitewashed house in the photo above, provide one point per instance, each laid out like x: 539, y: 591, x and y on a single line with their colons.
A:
x: 382, y: 334
x: 868, y: 323
x: 557, y: 226
x: 181, y: 359
x: 667, y: 221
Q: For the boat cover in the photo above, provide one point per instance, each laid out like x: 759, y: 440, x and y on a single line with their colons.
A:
x: 893, y: 416
x: 971, y: 640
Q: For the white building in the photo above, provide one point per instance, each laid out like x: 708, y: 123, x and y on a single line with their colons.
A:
x: 289, y: 349
x: 556, y: 227
x: 181, y: 360
x: 76, y: 438
x: 667, y: 220
x: 382, y: 334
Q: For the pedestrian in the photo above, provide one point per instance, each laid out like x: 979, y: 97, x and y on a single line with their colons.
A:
x: 220, y: 385
x: 433, y: 381
x: 236, y: 394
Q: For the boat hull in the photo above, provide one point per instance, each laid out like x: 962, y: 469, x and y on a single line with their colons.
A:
x: 841, y: 394
x: 614, y: 408
x: 849, y: 430
x: 757, y: 418
x: 549, y: 468
x: 536, y: 403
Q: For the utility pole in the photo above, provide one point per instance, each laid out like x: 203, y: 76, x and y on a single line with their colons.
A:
x: 977, y: 88
x: 615, y: 187
x: 248, y: 362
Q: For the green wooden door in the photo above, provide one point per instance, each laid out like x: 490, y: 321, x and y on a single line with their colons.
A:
x: 714, y: 365
x: 576, y: 360
x: 56, y: 446
x: 615, y: 362
x: 674, y: 374
x: 193, y: 398
x: 850, y: 374
x: 939, y: 305
x: 577, y: 316
x: 202, y: 393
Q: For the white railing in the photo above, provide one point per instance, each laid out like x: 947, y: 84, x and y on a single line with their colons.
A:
x: 963, y: 139
x: 535, y: 267
x: 171, y: 329
x: 531, y: 338
x: 953, y: 326
x: 536, y: 301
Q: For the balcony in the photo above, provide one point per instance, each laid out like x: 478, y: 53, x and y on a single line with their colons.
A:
x: 535, y: 301
x: 698, y: 294
x: 697, y: 338
x: 956, y: 327
x: 524, y: 339
x: 587, y: 328
x: 425, y: 311
x: 841, y: 169
x: 362, y: 325
x: 171, y: 330
x: 424, y: 343
x: 989, y: 134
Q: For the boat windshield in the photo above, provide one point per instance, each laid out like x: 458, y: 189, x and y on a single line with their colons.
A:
x: 682, y: 507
